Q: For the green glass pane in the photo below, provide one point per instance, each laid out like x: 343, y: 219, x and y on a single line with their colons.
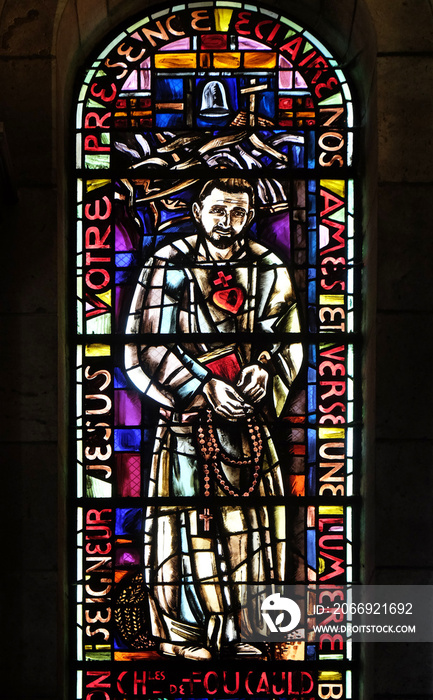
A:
x: 97, y: 161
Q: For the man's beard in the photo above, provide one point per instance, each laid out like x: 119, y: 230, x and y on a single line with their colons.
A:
x: 226, y: 240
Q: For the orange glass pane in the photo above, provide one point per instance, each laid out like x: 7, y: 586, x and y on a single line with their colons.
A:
x: 260, y: 59
x: 176, y: 60
x: 297, y: 484
x: 226, y: 60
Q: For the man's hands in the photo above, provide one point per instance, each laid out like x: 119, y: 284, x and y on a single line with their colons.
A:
x: 225, y: 401
x: 253, y: 382
x: 230, y: 404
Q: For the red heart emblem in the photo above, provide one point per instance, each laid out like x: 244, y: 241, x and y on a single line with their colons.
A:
x: 230, y: 299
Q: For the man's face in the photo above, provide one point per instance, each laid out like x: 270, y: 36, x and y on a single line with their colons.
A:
x: 223, y: 216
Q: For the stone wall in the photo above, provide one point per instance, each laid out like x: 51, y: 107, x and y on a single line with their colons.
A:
x: 42, y: 44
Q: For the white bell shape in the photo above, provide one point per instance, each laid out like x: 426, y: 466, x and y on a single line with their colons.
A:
x: 214, y: 100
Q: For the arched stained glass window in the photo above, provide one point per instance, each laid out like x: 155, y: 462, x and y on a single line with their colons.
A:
x: 217, y: 355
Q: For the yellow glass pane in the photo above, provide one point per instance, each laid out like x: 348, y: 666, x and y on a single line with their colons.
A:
x: 329, y: 676
x: 176, y: 60
x: 331, y: 433
x: 98, y: 350
x: 331, y: 510
x: 105, y: 297
x: 337, y: 186
x: 94, y: 184
x: 332, y: 299
x: 222, y: 19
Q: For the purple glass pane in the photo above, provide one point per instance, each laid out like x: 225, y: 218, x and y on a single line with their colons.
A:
x: 179, y: 45
x: 127, y: 408
x: 128, y: 471
x: 286, y: 79
x: 130, y: 82
x: 127, y: 556
x: 276, y: 233
x: 284, y: 63
x: 252, y: 44
x: 299, y: 81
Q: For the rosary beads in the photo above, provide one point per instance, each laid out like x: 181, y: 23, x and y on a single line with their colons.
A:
x: 213, y: 454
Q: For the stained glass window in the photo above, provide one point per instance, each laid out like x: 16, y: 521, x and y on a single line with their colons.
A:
x: 216, y: 368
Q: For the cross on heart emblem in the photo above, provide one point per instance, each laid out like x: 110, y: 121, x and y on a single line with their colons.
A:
x: 229, y: 298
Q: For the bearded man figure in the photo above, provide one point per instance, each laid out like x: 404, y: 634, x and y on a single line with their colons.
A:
x: 212, y: 310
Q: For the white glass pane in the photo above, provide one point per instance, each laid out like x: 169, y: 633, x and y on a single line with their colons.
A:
x: 349, y: 107
x: 79, y: 481
x: 79, y: 115
x: 79, y: 236
x: 161, y: 13
x: 348, y: 684
x: 350, y: 360
x: 89, y: 76
x: 79, y: 648
x: 349, y: 525
x: 346, y: 91
x: 350, y: 196
x: 318, y: 45
x: 79, y: 685
x: 350, y: 442
x: 112, y: 45
x: 78, y: 159
x: 291, y: 24
x: 349, y: 147
x: 269, y: 13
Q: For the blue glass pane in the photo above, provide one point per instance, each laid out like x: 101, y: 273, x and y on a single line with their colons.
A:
x: 169, y: 89
x: 312, y: 292
x: 311, y: 398
x: 119, y: 379
x: 312, y: 354
x: 312, y: 246
x: 311, y: 375
x: 311, y: 149
x: 311, y: 548
x: 162, y: 120
x: 312, y: 203
x: 311, y: 652
x: 311, y: 481
x: 298, y: 156
x: 311, y: 445
x: 129, y: 521
x: 127, y: 440
x: 124, y: 259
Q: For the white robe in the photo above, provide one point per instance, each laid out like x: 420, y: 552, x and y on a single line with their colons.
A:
x: 200, y: 310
